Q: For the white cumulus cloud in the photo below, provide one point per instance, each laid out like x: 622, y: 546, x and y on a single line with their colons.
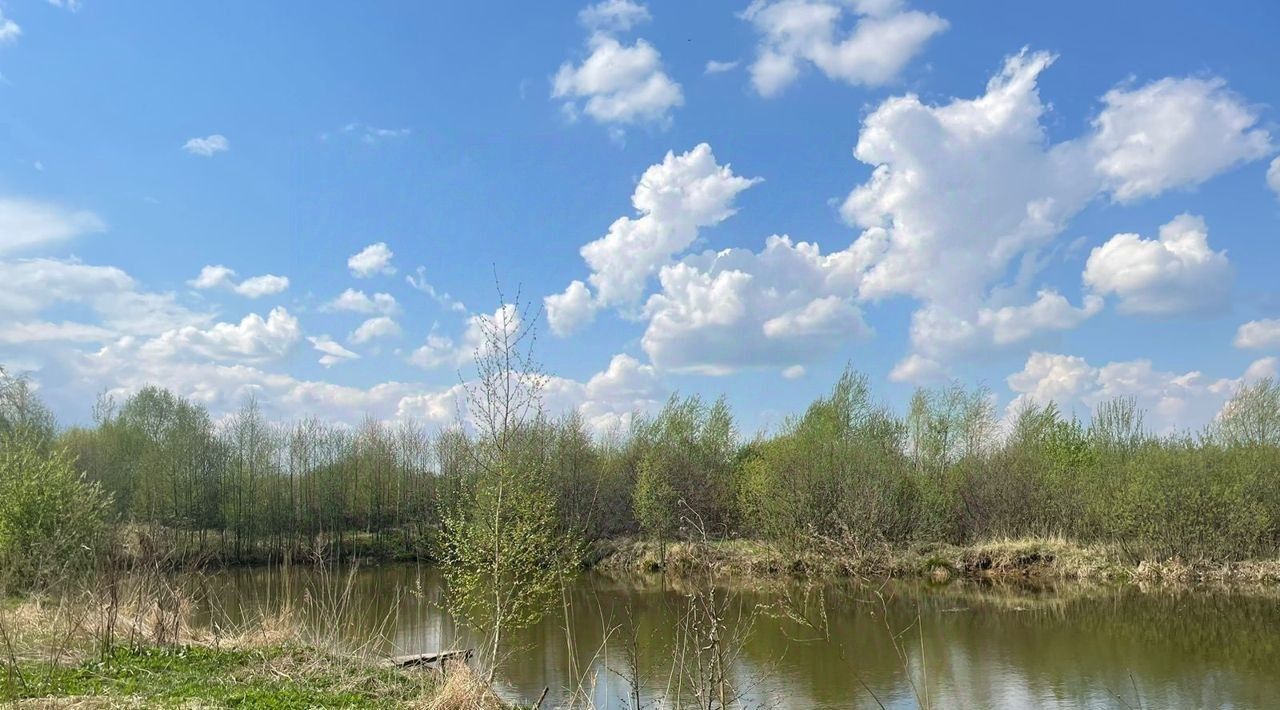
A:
x: 719, y: 312
x: 568, y: 311
x: 966, y: 196
x: 1173, y: 133
x: 1050, y: 311
x: 674, y: 199
x: 1173, y: 401
x: 1263, y: 333
x: 617, y: 83
x: 795, y: 33
x: 379, y: 327
x: 373, y: 260
x: 613, y: 15
x: 625, y: 388
x: 264, y: 285
x: 356, y: 301
x: 219, y: 276
x: 29, y: 287
x: 1177, y: 273
x: 253, y: 339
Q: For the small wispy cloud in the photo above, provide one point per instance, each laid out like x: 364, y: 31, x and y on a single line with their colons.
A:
x: 208, y: 146
x: 332, y: 353
x: 9, y: 30
x: 369, y: 134
x: 420, y: 282
x: 718, y: 67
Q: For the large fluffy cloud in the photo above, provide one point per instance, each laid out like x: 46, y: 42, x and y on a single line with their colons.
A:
x: 964, y: 202
x: 960, y: 190
x: 1050, y: 311
x: 674, y: 199
x: 722, y: 311
x: 1172, y: 133
x: 253, y: 339
x: 965, y: 193
x: 1177, y: 273
x: 29, y: 287
x: 617, y: 83
x: 1173, y: 401
x: 625, y: 388
x: 798, y: 32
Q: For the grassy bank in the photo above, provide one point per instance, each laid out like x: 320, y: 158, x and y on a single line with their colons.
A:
x: 258, y: 674
x: 183, y: 676
x: 137, y: 645
x: 1041, y: 558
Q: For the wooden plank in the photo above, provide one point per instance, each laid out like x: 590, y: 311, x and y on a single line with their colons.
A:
x: 426, y: 659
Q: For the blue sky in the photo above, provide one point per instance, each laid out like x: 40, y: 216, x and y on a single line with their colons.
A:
x: 973, y: 191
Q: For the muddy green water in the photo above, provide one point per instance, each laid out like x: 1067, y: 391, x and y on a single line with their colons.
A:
x: 962, y: 645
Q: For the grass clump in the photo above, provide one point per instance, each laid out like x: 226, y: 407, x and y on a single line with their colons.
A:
x: 272, y: 677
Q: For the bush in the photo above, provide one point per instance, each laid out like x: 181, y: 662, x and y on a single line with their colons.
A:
x: 686, y: 476
x: 837, y: 472
x: 51, y: 519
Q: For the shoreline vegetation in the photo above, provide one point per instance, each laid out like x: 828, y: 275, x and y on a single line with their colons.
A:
x: 1050, y: 558
x: 1031, y: 559
x: 511, y: 502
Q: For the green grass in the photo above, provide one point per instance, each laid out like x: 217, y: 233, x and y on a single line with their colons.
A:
x: 284, y: 677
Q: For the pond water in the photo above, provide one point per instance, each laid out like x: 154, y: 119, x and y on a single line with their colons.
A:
x: 891, y: 644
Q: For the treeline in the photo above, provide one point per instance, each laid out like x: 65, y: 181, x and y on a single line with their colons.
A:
x: 848, y: 470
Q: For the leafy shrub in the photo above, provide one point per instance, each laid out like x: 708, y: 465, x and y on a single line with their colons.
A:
x: 51, y: 519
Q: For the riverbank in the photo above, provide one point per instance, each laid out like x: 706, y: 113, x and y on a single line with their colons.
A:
x: 271, y: 676
x: 155, y: 545
x: 84, y: 653
x: 1043, y: 558
x: 1040, y: 558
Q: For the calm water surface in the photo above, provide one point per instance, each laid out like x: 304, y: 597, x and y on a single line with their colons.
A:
x: 961, y: 645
